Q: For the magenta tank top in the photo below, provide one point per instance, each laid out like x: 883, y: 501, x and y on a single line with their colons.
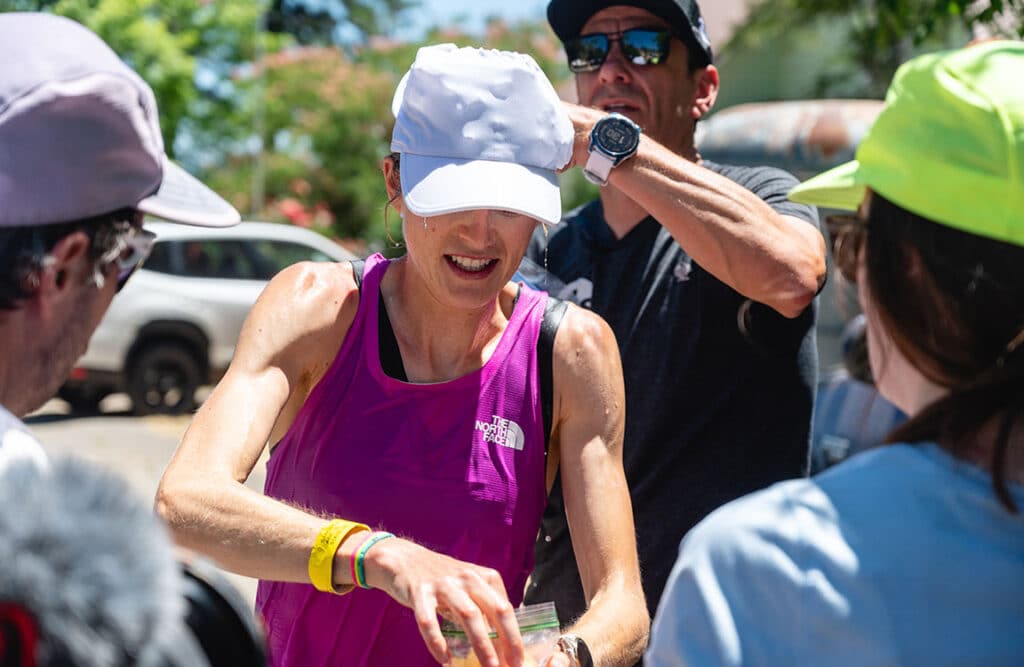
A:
x: 457, y: 466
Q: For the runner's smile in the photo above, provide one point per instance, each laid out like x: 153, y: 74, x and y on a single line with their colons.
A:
x: 472, y: 267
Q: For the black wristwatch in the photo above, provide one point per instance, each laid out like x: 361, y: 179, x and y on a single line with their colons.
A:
x: 577, y: 650
x: 613, y: 140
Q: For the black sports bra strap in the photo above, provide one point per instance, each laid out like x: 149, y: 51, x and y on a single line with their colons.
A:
x: 387, y: 344
x: 554, y: 311
x: 358, y: 266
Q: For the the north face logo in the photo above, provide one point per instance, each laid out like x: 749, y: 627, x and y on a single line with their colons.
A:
x: 504, y: 432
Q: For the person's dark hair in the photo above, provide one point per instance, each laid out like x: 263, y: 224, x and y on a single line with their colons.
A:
x: 953, y: 303
x: 396, y: 175
x: 695, y: 58
x: 23, y: 250
x: 854, y: 341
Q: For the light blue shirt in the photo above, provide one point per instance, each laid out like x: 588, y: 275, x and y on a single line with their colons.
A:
x: 16, y: 443
x: 899, y: 556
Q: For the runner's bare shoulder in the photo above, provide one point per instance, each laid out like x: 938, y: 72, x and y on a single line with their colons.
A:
x: 307, y: 308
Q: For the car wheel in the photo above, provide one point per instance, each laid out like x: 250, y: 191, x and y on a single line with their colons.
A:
x: 83, y: 400
x: 163, y: 380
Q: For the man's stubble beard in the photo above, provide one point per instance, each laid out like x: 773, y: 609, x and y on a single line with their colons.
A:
x: 65, y: 345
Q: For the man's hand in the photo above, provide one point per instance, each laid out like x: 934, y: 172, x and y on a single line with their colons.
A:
x: 430, y: 583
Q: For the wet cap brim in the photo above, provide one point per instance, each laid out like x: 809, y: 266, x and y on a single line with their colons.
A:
x: 182, y: 198
x: 438, y: 185
x: 842, y: 187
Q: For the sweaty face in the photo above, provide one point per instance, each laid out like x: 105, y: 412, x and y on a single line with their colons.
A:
x: 466, y: 258
x: 660, y: 98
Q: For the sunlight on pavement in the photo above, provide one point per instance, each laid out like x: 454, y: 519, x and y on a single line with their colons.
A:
x: 168, y: 426
x: 136, y: 448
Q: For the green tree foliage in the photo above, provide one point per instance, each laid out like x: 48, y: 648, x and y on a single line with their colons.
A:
x: 327, y: 126
x: 187, y: 50
x: 319, y: 22
x: 289, y: 124
x: 856, y: 46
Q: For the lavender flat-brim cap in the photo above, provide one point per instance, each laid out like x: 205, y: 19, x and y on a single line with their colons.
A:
x: 480, y: 129
x: 80, y: 135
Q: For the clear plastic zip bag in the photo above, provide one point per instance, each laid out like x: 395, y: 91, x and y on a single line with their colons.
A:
x: 538, y: 624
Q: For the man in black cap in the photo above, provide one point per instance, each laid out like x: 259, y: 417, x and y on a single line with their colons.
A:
x: 705, y: 272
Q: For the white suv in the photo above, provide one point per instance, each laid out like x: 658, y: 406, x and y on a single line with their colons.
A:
x: 175, y: 324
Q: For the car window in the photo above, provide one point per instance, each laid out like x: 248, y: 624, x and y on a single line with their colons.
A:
x: 217, y: 259
x: 160, y: 258
x: 280, y: 254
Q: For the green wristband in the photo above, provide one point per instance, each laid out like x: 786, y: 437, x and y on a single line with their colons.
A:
x: 361, y: 555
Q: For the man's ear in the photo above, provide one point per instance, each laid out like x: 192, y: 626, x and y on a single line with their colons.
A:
x: 68, y: 262
x: 706, y: 79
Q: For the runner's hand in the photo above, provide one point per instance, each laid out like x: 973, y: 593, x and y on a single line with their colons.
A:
x: 470, y: 595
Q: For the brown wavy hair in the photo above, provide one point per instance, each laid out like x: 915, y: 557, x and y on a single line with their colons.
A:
x: 953, y: 304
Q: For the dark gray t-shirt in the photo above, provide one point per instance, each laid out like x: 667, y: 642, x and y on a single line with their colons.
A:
x: 712, y: 413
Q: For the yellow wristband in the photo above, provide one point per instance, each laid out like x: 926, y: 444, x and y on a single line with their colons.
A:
x: 321, y: 558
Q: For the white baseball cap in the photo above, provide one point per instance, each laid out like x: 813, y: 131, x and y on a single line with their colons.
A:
x: 480, y: 129
x: 80, y: 135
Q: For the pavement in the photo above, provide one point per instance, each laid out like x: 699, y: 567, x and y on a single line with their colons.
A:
x: 136, y: 448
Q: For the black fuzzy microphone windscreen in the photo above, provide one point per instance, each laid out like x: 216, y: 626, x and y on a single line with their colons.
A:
x: 87, y: 560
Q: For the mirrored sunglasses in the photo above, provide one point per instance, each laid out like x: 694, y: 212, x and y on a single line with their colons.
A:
x: 136, y: 248
x: 640, y: 46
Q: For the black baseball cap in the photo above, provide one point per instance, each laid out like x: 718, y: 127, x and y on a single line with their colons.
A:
x: 568, y: 16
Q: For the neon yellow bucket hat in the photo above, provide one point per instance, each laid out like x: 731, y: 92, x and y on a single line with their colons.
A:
x: 948, y: 146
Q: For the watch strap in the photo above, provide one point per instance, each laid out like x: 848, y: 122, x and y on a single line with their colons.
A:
x: 598, y: 167
x: 576, y: 650
x: 567, y: 645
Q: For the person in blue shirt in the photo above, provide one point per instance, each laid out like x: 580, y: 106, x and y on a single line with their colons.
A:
x: 911, y: 553
x: 850, y: 416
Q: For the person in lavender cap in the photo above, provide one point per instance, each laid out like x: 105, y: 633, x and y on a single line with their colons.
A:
x: 81, y: 162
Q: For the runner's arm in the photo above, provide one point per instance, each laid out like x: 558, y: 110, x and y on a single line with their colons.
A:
x: 590, y: 420
x: 284, y: 346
